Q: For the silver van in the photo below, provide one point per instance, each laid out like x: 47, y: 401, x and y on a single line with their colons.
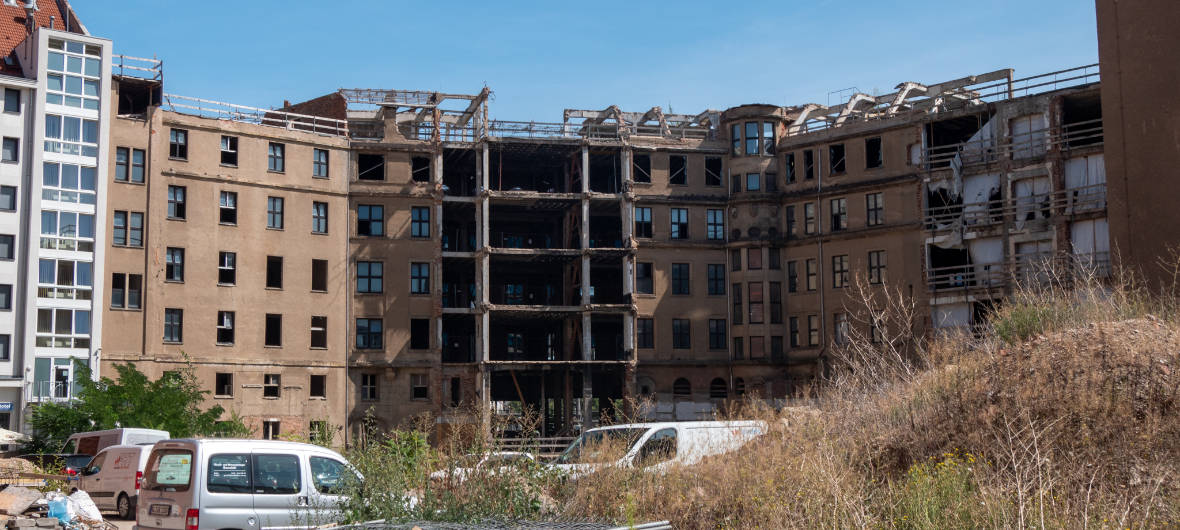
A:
x: 240, y: 484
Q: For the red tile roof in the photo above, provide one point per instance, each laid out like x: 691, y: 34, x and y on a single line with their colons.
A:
x: 12, y: 27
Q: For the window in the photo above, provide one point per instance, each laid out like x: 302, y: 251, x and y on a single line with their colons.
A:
x: 839, y: 209
x: 134, y: 230
x: 11, y: 151
x: 792, y: 276
x: 174, y: 267
x: 173, y: 325
x: 118, y: 234
x: 808, y: 164
x: 757, y: 347
x: 274, y: 213
x: 319, y: 217
x: 642, y: 222
x: 715, y: 227
x: 272, y: 385
x: 370, y: 220
x: 176, y: 202
x: 873, y: 152
x: 274, y: 272
x: 841, y: 328
x: 836, y: 159
x: 776, y: 347
x: 71, y: 136
x: 735, y: 180
x: 229, y: 208
x: 876, y: 266
x: 8, y: 198
x: 419, y: 333
x: 69, y: 183
x: 739, y: 349
x: 369, y: 277
x: 6, y: 297
x: 126, y: 290
x: 756, y: 308
x: 122, y: 164
x: 752, y: 138
x: 84, y: 62
x: 319, y: 332
x: 752, y: 182
x: 369, y: 387
x: 794, y: 331
x: 735, y: 259
x: 716, y: 275
x: 776, y: 261
x: 768, y: 138
x: 790, y: 166
x: 643, y: 278
x: 754, y: 259
x: 681, y: 282
x: 7, y: 247
x: 681, y: 336
x: 229, y: 151
x: 419, y: 387
x: 717, y: 340
x: 223, y: 385
x: 809, y: 225
x: 227, y: 268
x: 874, y: 208
x: 679, y: 217
x: 776, y: 303
x: 419, y: 278
x: 420, y: 221
x: 677, y: 170
x: 318, y: 388
x: 319, y: 275
x: 273, y: 334
x: 812, y: 330
x: 736, y: 293
x: 225, y: 327
x: 12, y: 100
x: 270, y: 431
x: 771, y: 181
x: 319, y: 163
x: 275, y: 154
x: 641, y: 167
x: 735, y: 135
x: 713, y: 171
x: 812, y: 274
x: 644, y: 336
x: 368, y: 333
x: 840, y: 271
x: 419, y: 169
x: 178, y: 144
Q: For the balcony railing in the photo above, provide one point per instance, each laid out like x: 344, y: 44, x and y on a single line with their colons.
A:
x: 1026, y: 269
x: 270, y: 118
x: 1069, y: 201
x: 50, y: 391
x: 141, y: 67
x: 1030, y: 144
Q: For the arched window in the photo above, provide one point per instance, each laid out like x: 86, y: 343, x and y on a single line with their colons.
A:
x: 718, y: 389
x: 681, y: 388
x: 739, y: 386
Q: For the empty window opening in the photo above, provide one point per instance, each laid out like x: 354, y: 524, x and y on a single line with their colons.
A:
x: 224, y: 385
x: 836, y: 159
x: 950, y: 268
x: 274, y: 272
x: 808, y: 164
x: 605, y: 172
x: 420, y: 168
x: 318, y: 386
x: 606, y: 338
x: 274, y: 330
x: 458, y: 335
x: 229, y: 150
x: 319, y: 275
x: 873, y: 153
x: 718, y: 389
x: 319, y: 332
x: 370, y: 167
x: 528, y: 167
x: 1081, y: 120
x: 419, y: 333
x: 641, y: 167
x: 713, y: 170
x: 459, y: 172
x: 678, y: 170
x: 943, y: 137
x: 272, y: 385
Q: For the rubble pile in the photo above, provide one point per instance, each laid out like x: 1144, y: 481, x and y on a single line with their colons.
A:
x: 28, y: 509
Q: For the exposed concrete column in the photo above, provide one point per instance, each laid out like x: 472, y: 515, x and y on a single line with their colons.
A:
x: 437, y: 169
x: 587, y: 391
x: 585, y: 168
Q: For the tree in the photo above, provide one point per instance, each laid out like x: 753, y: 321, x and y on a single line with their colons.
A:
x: 171, y: 403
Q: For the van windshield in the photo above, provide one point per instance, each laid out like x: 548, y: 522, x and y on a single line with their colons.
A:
x: 600, y: 446
x: 168, y: 470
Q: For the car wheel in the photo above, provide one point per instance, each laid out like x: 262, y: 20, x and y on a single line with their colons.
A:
x: 124, y: 507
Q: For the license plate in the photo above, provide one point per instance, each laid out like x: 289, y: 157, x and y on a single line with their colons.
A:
x: 159, y: 509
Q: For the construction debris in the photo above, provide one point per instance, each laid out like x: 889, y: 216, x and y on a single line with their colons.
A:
x: 26, y: 508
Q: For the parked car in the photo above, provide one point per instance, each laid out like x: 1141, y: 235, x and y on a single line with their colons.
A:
x: 245, y: 484
x: 67, y: 464
x: 112, y: 478
x: 90, y: 443
x: 492, y: 463
x: 654, y: 446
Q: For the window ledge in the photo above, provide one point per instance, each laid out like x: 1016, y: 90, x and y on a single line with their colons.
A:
x: 317, y: 398
x: 318, y: 348
x: 271, y: 397
x: 227, y: 224
x: 127, y: 309
x: 222, y: 397
x: 173, y: 343
x: 131, y: 182
x: 227, y: 284
x: 325, y: 177
x: 274, y: 229
x: 272, y: 347
x: 235, y: 166
x: 224, y: 344
x: 314, y: 233
x: 275, y: 171
x: 178, y: 159
x: 273, y: 288
x: 181, y: 219
x: 174, y: 281
x: 319, y: 291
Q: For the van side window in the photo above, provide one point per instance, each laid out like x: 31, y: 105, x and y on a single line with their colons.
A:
x: 229, y: 474
x: 328, y: 475
x: 660, y: 447
x: 95, y: 464
x: 277, y: 475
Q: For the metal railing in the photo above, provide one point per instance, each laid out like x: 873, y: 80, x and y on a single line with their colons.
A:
x: 1025, y: 269
x: 141, y: 67
x: 1020, y: 146
x: 1069, y: 201
x: 240, y: 113
x: 50, y: 390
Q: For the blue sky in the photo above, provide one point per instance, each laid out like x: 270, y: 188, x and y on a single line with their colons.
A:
x: 541, y: 57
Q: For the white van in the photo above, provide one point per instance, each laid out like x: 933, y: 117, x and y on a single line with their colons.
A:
x: 112, y: 477
x: 90, y: 443
x: 655, y: 446
x: 242, y: 484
